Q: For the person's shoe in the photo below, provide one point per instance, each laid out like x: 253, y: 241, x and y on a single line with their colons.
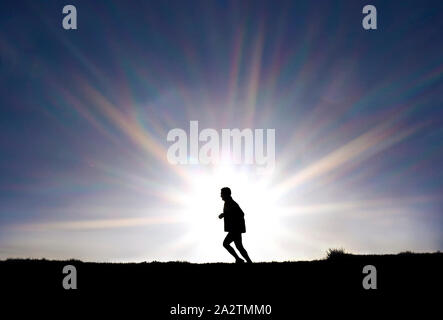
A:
x: 239, y: 261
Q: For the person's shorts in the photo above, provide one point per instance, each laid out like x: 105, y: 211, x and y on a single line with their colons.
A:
x: 233, y: 236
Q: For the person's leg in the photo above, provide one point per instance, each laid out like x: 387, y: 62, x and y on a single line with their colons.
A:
x: 239, y: 244
x: 226, y: 244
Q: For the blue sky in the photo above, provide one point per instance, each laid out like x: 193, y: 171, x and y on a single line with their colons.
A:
x: 85, y: 113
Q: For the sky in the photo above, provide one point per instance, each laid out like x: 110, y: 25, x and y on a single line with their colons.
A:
x: 85, y: 116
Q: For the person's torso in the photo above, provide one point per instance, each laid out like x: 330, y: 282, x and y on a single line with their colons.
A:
x: 233, y: 217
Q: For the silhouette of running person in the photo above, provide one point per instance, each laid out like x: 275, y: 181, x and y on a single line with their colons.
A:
x: 234, y: 226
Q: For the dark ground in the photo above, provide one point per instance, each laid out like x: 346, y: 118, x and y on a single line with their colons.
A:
x: 289, y: 287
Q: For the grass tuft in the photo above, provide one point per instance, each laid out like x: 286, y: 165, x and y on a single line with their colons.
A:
x: 333, y: 254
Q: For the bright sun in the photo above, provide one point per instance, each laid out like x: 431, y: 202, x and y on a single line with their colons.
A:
x: 203, y: 204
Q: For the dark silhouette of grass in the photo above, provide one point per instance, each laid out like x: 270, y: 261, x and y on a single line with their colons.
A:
x: 335, y: 253
x: 338, y: 277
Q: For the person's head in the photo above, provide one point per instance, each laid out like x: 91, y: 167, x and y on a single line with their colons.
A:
x: 225, y: 193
